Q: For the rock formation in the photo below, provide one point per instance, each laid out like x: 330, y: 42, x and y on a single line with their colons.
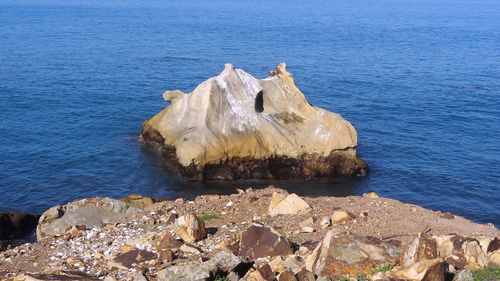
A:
x: 236, y: 126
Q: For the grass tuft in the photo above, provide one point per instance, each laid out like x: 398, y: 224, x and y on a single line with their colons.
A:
x: 383, y: 268
x: 206, y: 217
x: 487, y: 274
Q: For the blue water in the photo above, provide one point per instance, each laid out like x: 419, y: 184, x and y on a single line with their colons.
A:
x: 419, y: 79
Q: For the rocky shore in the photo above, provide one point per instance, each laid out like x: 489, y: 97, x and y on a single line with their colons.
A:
x: 264, y: 234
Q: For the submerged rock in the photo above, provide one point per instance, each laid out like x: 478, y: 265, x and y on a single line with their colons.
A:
x: 236, y: 126
x: 14, y: 225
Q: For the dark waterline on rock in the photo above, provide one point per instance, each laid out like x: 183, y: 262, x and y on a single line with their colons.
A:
x: 420, y: 81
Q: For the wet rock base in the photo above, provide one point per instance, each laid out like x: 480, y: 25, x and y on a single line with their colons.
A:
x: 340, y: 163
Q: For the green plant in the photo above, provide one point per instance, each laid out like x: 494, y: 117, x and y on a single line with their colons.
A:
x: 221, y: 278
x: 487, y: 274
x: 206, y: 217
x: 358, y: 278
x: 383, y: 268
x: 269, y: 220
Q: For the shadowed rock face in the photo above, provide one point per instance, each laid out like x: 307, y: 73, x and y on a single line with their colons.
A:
x: 236, y: 126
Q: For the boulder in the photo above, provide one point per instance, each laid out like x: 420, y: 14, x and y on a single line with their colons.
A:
x: 54, y: 275
x: 190, y: 228
x: 464, y: 275
x: 132, y: 259
x: 494, y: 259
x: 236, y: 126
x: 138, y: 201
x: 263, y: 273
x: 422, y: 247
x: 259, y: 241
x: 305, y: 275
x: 89, y: 212
x: 290, y: 205
x: 165, y: 240
x: 462, y: 252
x: 227, y: 262
x: 286, y: 275
x: 185, y: 272
x: 343, y: 254
x: 15, y: 225
x: 425, y: 270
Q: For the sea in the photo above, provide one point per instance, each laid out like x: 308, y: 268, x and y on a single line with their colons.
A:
x: 419, y: 80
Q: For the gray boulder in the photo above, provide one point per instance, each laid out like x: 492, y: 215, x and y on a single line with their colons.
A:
x: 88, y: 212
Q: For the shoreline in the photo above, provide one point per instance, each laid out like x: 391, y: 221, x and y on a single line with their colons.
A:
x: 225, y: 217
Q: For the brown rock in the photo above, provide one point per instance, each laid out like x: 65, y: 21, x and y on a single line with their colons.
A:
x: 462, y: 252
x: 426, y: 270
x: 422, y: 247
x: 165, y: 240
x: 259, y: 241
x: 138, y: 201
x: 494, y: 245
x: 286, y: 275
x: 166, y: 255
x: 305, y: 275
x: 263, y: 273
x: 341, y: 216
x: 133, y: 258
x: 190, y: 228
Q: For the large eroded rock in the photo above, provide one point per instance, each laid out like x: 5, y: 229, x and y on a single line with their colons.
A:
x: 88, y: 212
x: 236, y: 126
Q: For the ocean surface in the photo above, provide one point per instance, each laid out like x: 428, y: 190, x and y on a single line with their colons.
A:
x: 419, y: 79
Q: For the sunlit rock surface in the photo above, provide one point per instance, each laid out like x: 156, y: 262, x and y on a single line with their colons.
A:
x: 237, y: 126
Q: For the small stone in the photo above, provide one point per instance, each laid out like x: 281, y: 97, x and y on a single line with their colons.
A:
x: 325, y: 222
x: 189, y: 248
x: 229, y: 204
x: 165, y: 240
x: 190, y: 228
x: 180, y: 201
x: 341, y: 216
x: 305, y: 275
x: 263, y: 273
x: 290, y: 205
x: 308, y: 222
x: 307, y: 229
x: 286, y: 275
x: 370, y: 195
x: 464, y: 275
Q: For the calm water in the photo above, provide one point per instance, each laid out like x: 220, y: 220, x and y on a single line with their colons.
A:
x: 420, y: 80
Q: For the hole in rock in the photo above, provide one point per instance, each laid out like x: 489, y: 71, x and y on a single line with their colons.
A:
x: 259, y: 102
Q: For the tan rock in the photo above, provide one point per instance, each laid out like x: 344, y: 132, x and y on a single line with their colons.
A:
x: 341, y: 216
x: 425, y: 270
x: 138, y: 201
x: 275, y: 199
x: 494, y: 259
x: 370, y: 195
x: 422, y: 247
x: 259, y: 241
x: 342, y: 254
x: 237, y: 123
x: 190, y: 228
x: 277, y: 264
x: 290, y: 205
x: 165, y: 240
